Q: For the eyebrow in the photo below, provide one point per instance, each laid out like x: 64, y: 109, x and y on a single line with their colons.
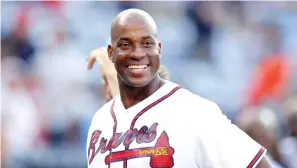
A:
x: 124, y: 39
x: 127, y: 38
x: 147, y: 37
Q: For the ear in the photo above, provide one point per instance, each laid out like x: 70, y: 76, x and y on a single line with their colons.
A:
x: 160, y: 48
x: 110, y: 53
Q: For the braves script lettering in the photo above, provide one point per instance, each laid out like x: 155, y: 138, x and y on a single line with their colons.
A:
x: 144, y: 135
x: 161, y: 155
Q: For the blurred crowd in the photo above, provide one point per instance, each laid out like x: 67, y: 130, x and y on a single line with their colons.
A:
x: 242, y: 55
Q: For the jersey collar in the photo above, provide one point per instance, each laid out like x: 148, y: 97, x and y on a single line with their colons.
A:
x: 162, y: 91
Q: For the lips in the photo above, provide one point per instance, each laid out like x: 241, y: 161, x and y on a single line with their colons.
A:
x: 137, y: 68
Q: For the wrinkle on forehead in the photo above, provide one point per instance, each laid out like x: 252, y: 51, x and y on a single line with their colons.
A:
x: 132, y: 17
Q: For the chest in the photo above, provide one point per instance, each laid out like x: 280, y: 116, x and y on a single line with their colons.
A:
x: 158, y: 137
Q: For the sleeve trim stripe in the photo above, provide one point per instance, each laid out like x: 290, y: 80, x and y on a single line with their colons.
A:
x: 257, y: 158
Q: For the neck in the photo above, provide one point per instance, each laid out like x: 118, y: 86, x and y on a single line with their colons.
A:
x: 132, y: 95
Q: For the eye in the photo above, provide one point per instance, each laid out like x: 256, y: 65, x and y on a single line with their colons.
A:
x: 148, y: 44
x: 124, y: 45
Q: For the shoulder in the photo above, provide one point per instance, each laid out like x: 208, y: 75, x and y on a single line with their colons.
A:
x: 187, y: 96
x: 195, y: 108
x: 197, y: 102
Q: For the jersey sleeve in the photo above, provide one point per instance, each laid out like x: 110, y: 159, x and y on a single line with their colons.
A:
x: 223, y: 145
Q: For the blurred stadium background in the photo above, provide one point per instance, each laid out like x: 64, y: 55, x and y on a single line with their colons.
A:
x: 242, y: 55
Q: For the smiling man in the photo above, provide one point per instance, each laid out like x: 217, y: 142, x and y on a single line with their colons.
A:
x: 155, y: 123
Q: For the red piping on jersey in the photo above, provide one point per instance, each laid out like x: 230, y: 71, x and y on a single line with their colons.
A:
x: 146, y: 109
x: 256, y: 158
x: 114, y: 128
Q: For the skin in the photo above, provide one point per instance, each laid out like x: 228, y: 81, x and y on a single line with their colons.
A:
x: 134, y: 41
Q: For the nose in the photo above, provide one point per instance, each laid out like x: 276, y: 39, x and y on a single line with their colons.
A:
x: 137, y: 52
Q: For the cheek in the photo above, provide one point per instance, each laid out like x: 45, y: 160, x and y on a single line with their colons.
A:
x: 119, y: 60
x: 122, y: 53
x: 155, y: 60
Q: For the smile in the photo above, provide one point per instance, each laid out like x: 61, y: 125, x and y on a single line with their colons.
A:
x: 137, y: 68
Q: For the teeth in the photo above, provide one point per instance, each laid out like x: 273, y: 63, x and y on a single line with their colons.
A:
x: 137, y: 66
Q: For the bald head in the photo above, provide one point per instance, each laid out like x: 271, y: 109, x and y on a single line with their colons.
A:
x: 134, y: 42
x: 132, y: 18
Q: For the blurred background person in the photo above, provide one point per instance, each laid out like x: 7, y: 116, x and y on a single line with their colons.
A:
x: 288, y: 145
x: 242, y: 55
x: 262, y: 125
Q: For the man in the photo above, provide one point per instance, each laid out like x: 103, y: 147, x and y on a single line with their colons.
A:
x: 156, y: 123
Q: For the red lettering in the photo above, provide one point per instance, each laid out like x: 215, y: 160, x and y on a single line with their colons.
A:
x: 103, y: 146
x: 142, y: 132
x: 129, y: 138
x: 92, y: 143
x: 151, y: 134
x: 144, y: 135
x: 117, y: 141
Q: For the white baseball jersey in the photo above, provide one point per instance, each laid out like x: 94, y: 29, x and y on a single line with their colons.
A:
x: 171, y: 128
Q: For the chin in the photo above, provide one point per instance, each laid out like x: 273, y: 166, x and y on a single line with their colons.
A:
x: 138, y: 82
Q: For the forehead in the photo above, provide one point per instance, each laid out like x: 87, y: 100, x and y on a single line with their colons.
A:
x: 133, y: 31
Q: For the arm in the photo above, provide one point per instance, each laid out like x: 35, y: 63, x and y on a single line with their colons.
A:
x: 108, y: 72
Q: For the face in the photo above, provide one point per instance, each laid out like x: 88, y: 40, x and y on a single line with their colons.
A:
x: 135, y: 52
